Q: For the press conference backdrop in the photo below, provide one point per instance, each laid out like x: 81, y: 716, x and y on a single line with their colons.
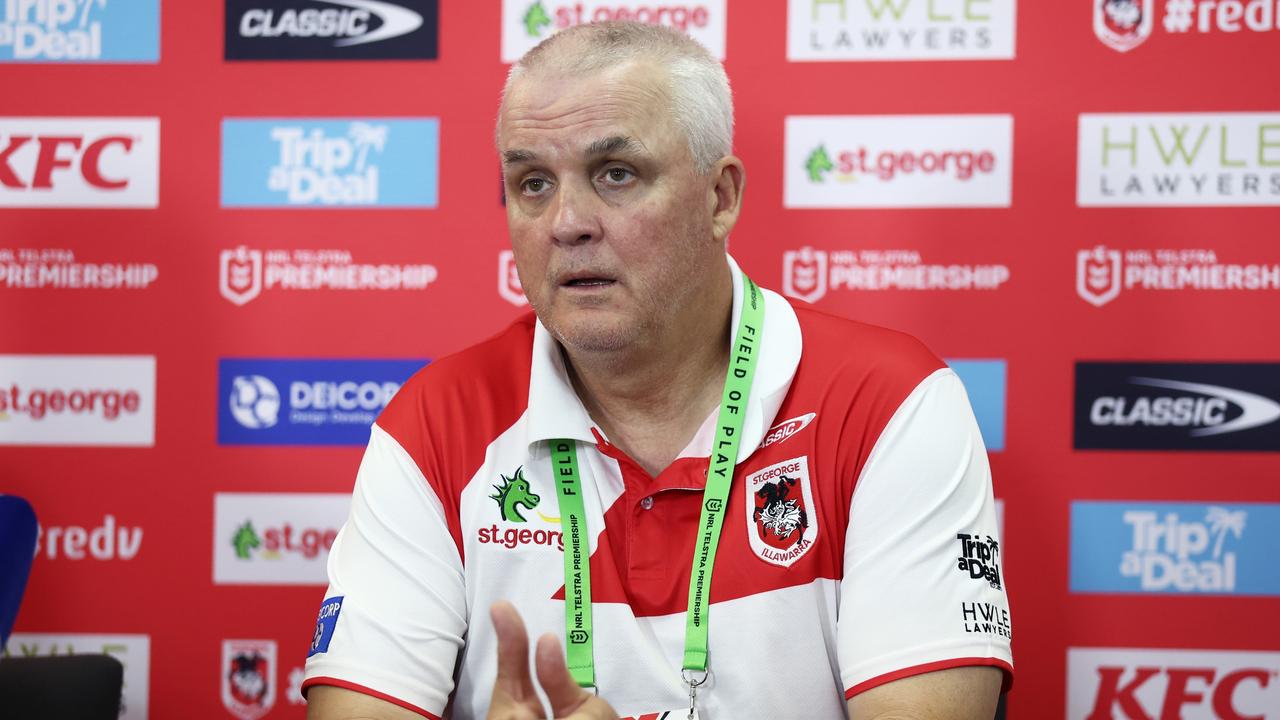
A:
x: 229, y: 231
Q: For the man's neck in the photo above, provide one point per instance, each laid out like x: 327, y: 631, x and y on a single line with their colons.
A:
x: 650, y: 401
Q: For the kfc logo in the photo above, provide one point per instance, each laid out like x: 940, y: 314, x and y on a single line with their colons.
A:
x: 1123, y: 24
x: 509, y: 280
x: 79, y: 162
x: 804, y: 274
x: 240, y: 274
x: 1098, y: 275
x: 1105, y: 683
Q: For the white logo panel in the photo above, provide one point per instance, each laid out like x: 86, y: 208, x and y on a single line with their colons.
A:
x: 275, y: 538
x: 84, y: 400
x: 525, y: 23
x: 79, y: 162
x: 869, y: 30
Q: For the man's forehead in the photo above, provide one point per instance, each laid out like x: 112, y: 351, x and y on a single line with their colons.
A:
x: 606, y: 145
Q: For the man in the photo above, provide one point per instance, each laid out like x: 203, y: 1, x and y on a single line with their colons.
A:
x: 851, y: 532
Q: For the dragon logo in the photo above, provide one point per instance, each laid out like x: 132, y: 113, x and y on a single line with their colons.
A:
x: 512, y: 493
x: 535, y: 19
x: 777, y: 514
x: 248, y: 677
x: 244, y: 540
x: 1123, y: 25
x: 781, y: 523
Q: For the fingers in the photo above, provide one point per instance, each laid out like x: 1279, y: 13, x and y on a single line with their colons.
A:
x: 553, y: 675
x: 513, y: 653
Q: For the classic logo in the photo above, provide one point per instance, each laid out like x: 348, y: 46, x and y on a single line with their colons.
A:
x: 1102, y: 273
x: 275, y: 538
x: 782, y: 521
x: 1178, y: 160
x: 1177, y: 406
x: 804, y: 274
x: 77, y: 400
x: 84, y: 31
x: 785, y: 429
x: 1123, y: 24
x: 79, y: 162
x: 305, y: 402
x: 240, y: 274
x: 870, y: 30
x: 331, y: 29
x: 57, y: 268
x: 330, y: 162
x: 1105, y: 683
x: 809, y: 274
x: 891, y: 161
x: 1174, y: 548
x: 245, y: 273
x: 1098, y: 275
x: 133, y: 651
x: 525, y: 23
x: 509, y: 287
x: 248, y: 677
x: 103, y: 542
x: 980, y: 558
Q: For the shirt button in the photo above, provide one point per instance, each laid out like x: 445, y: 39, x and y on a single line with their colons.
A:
x: 646, y: 503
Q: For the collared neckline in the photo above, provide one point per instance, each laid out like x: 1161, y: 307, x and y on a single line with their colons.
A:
x: 555, y: 410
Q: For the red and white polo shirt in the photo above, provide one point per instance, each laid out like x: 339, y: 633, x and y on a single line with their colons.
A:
x: 859, y: 547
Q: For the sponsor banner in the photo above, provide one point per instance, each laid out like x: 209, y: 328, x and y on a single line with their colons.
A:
x: 83, y: 31
x: 109, y: 539
x: 305, y: 402
x: 331, y: 29
x: 1178, y: 159
x: 86, y: 400
x: 809, y: 274
x: 245, y: 273
x: 248, y: 674
x: 1123, y: 25
x: 330, y: 162
x: 525, y: 23
x: 1177, y: 406
x: 275, y: 538
x: 984, y: 382
x: 79, y: 162
x: 1101, y: 272
x: 1175, y: 548
x: 898, y: 161
x: 1164, y: 683
x: 57, y: 268
x: 900, y: 29
x: 133, y: 652
x: 509, y: 287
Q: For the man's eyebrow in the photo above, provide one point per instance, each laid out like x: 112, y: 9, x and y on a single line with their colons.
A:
x: 614, y: 144
x: 511, y: 157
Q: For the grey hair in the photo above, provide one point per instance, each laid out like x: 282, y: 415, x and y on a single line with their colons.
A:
x: 697, y: 86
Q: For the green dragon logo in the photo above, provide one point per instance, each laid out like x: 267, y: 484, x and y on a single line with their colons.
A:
x: 535, y: 19
x: 245, y: 539
x: 818, y: 163
x: 513, y: 492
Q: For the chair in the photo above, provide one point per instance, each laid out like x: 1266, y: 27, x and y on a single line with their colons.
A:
x: 17, y: 549
x: 61, y: 687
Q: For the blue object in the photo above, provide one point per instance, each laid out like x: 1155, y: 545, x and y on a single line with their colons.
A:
x: 125, y: 31
x: 17, y: 549
x: 325, y: 623
x: 984, y: 381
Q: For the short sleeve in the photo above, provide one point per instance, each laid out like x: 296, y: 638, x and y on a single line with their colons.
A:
x: 923, y: 586
x: 393, y: 619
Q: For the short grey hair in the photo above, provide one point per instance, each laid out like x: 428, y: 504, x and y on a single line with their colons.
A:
x: 697, y: 86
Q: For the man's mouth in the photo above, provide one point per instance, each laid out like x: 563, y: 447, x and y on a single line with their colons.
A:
x: 588, y: 281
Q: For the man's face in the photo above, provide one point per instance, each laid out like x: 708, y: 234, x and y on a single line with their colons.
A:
x: 610, y: 223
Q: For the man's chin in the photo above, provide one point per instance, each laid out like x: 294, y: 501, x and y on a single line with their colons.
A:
x: 594, y: 335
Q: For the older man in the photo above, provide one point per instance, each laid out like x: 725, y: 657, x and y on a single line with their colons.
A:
x: 659, y: 418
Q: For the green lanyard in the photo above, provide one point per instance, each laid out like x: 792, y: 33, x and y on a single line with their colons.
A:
x: 573, y: 520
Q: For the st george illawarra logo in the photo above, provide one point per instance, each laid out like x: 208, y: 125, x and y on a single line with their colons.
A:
x: 1123, y: 24
x: 782, y: 522
x: 804, y: 274
x: 1098, y: 275
x: 248, y: 677
x: 240, y: 274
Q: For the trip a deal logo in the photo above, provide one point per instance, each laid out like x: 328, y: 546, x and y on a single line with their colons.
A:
x: 1177, y: 406
x: 80, y: 31
x: 330, y: 162
x: 1175, y: 548
x: 331, y: 29
x: 525, y: 23
x: 898, y: 161
x: 305, y: 402
x: 79, y: 162
x: 869, y: 30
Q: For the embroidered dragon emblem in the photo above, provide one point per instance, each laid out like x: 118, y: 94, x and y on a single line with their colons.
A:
x: 512, y: 493
x: 778, y: 514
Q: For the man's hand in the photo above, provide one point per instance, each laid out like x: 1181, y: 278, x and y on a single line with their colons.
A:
x: 514, y: 697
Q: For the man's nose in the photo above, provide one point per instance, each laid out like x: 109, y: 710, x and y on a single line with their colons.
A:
x: 575, y: 220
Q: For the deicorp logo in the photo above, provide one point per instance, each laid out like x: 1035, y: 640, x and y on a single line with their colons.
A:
x: 375, y: 162
x: 525, y: 23
x: 77, y: 400
x: 1177, y: 406
x: 1192, y: 548
x: 49, y: 31
x: 275, y: 538
x: 305, y: 402
x: 900, y: 29
x: 331, y: 29
x: 885, y: 161
x: 79, y: 162
x: 1106, y: 683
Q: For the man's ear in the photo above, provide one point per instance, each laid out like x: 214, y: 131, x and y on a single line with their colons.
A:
x: 725, y: 198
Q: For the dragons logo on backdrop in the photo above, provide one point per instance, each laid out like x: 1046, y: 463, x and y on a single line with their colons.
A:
x: 781, y: 522
x: 248, y: 677
x: 1123, y: 24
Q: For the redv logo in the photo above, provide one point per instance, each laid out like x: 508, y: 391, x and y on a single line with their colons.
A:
x: 79, y: 162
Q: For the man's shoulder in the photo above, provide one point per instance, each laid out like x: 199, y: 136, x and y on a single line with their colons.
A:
x: 860, y: 351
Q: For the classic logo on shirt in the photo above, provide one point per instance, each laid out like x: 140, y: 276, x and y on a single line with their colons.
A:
x: 785, y: 429
x: 980, y: 558
x: 780, y: 522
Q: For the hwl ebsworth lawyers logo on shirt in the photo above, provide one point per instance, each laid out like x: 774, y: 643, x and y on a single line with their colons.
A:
x: 1177, y: 406
x: 781, y: 521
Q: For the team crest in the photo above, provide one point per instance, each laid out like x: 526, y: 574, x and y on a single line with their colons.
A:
x: 1123, y: 24
x: 1098, y: 275
x: 509, y: 280
x: 804, y: 274
x: 249, y: 677
x: 240, y: 274
x: 781, y: 520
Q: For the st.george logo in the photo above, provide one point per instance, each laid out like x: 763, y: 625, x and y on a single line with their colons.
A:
x: 804, y: 274
x: 248, y: 677
x: 512, y: 494
x: 1098, y: 275
x: 1123, y: 24
x: 782, y: 522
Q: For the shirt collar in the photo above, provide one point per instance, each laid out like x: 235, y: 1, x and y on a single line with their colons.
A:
x: 555, y: 411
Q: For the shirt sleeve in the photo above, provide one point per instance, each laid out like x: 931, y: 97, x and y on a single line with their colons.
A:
x: 394, y: 616
x: 923, y: 588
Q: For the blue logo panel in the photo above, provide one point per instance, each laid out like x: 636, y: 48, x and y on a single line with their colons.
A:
x: 984, y: 381
x: 1175, y: 548
x: 325, y: 623
x: 80, y: 31
x: 305, y: 402
x: 351, y: 163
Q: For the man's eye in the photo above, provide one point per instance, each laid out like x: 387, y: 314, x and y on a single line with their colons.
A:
x: 617, y: 174
x: 534, y: 185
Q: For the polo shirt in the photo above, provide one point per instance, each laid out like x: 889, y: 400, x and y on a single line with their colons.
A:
x: 859, y: 545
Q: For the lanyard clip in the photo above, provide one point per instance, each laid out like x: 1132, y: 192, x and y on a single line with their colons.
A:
x: 694, y: 679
